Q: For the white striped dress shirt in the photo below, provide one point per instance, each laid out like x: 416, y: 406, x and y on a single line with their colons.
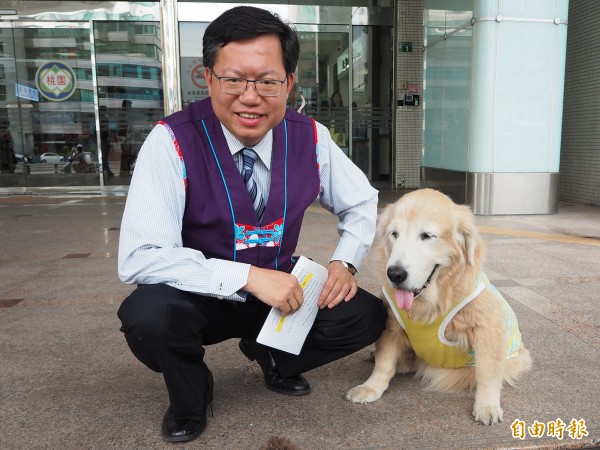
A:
x: 150, y: 245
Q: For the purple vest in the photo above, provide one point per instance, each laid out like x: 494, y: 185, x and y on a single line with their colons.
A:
x: 219, y: 219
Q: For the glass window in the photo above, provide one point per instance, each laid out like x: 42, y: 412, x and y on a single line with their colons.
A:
x: 447, y: 75
x: 193, y: 85
x: 50, y: 104
x: 130, y: 91
x: 130, y: 71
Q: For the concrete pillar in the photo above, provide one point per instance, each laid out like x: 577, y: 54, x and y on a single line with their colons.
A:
x: 517, y: 85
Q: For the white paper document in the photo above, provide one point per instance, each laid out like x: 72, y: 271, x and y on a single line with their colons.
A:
x: 288, y: 333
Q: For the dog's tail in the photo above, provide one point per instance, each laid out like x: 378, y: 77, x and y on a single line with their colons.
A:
x: 446, y: 380
x: 462, y: 379
x: 517, y: 366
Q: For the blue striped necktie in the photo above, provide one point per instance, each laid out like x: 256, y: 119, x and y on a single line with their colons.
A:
x: 249, y: 158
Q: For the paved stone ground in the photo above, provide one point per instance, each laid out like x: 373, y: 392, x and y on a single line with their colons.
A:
x: 69, y: 381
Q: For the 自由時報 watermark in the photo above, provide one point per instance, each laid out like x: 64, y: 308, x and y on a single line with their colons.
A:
x: 576, y: 429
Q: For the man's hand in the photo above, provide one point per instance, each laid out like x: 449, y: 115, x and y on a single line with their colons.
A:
x: 275, y: 288
x: 340, y: 285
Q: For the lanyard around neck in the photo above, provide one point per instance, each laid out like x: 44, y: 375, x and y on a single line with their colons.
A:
x: 285, y: 190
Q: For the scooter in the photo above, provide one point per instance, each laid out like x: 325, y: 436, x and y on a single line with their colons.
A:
x: 79, y: 161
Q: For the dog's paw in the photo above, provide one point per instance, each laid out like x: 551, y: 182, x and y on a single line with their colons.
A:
x: 488, y: 414
x: 363, y: 394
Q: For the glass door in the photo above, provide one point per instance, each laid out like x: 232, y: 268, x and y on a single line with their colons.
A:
x: 348, y: 87
x: 49, y: 105
x: 130, y: 91
x: 344, y: 78
x: 52, y: 131
x: 11, y: 145
x: 322, y: 88
x: 372, y: 98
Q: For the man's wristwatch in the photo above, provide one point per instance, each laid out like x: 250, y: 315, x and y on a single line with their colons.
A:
x: 349, y: 266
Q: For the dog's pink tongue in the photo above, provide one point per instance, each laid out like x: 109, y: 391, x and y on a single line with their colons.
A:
x: 404, y: 298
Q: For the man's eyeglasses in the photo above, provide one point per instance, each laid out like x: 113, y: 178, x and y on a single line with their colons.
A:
x: 237, y: 86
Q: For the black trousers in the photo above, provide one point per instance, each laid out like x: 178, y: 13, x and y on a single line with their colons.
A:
x: 167, y: 330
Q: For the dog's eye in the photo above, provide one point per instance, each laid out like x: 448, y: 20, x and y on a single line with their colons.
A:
x: 394, y: 234
x: 426, y: 236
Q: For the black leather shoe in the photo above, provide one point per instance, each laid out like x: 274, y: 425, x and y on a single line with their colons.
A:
x: 294, y: 385
x: 187, y: 428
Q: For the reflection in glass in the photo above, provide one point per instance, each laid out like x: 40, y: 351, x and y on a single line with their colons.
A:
x: 447, y: 74
x: 193, y: 84
x: 39, y: 65
x: 50, y: 107
x: 130, y: 90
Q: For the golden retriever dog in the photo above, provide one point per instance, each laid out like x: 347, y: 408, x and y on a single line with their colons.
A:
x: 446, y: 323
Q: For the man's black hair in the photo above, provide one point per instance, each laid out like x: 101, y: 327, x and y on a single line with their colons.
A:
x: 247, y: 22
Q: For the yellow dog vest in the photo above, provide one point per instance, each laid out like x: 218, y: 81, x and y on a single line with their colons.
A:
x: 429, y: 342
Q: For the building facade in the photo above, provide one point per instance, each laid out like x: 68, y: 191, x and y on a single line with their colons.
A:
x: 460, y: 95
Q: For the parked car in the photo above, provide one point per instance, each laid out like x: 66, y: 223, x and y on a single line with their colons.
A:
x: 51, y: 158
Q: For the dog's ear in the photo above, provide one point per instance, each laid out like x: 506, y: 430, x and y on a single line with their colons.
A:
x: 467, y: 235
x: 383, y: 220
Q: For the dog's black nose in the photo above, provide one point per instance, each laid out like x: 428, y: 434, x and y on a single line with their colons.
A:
x: 396, y: 274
